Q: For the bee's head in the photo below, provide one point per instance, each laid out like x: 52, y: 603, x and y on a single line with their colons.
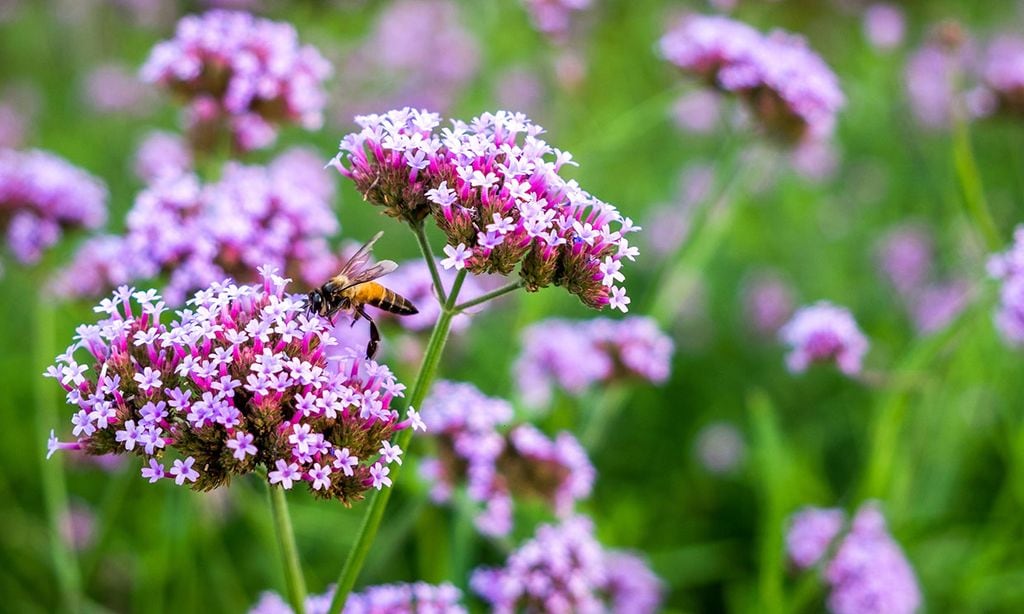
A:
x: 314, y: 302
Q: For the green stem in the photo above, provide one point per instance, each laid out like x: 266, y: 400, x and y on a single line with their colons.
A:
x: 289, y: 552
x: 55, y: 497
x: 512, y: 287
x: 603, y: 415
x: 375, y: 510
x: 971, y: 186
x: 428, y: 255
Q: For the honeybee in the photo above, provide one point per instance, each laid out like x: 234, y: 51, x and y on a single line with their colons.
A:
x: 354, y: 287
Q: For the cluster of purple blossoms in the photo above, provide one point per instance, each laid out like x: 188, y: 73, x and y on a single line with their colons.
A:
x: 494, y: 190
x: 554, y: 17
x: 41, y: 195
x: 240, y: 380
x: 240, y: 74
x: 787, y: 87
x: 278, y: 215
x: 564, y: 569
x: 884, y: 25
x: 576, y: 355
x: 496, y: 466
x: 866, y: 569
x: 418, y: 598
x: 1008, y: 267
x: 906, y: 259
x: 824, y: 332
x: 418, y: 54
x: 935, y: 73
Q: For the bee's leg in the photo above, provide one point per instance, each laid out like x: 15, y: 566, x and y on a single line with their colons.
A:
x: 371, y: 347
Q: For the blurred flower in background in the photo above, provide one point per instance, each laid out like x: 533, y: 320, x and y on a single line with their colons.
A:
x: 564, y: 569
x: 278, y: 215
x: 720, y: 447
x: 935, y: 75
x: 1008, y: 268
x: 555, y: 17
x: 578, y: 355
x: 43, y: 195
x: 112, y: 88
x: 884, y: 25
x: 162, y: 156
x: 768, y: 302
x: 823, y: 332
x: 419, y: 597
x: 242, y: 75
x: 78, y: 527
x: 498, y: 466
x: 810, y: 533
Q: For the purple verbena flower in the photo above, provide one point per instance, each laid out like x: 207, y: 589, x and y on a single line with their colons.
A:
x: 414, y: 598
x: 241, y: 74
x: 223, y: 387
x: 498, y: 466
x: 42, y: 195
x: 786, y: 86
x: 278, y: 215
x: 577, y: 355
x: 494, y: 168
x: 811, y: 531
x: 934, y: 73
x: 564, y: 569
x: 823, y: 332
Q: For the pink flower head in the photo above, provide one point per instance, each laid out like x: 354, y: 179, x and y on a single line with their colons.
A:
x: 575, y: 356
x: 933, y: 72
x: 786, y: 86
x: 498, y: 466
x: 563, y: 568
x: 241, y: 74
x: 239, y: 379
x: 42, y: 195
x: 278, y: 215
x: 823, y: 332
x: 1002, y: 76
x: 811, y: 531
x: 496, y: 165
x: 418, y: 597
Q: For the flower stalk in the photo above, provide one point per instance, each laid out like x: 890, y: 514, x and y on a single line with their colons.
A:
x: 294, y: 580
x: 428, y: 369
x: 483, y: 298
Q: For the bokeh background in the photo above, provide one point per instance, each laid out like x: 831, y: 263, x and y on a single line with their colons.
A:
x: 698, y: 474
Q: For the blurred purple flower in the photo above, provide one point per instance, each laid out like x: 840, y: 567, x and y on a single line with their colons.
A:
x: 933, y: 75
x: 816, y: 161
x: 498, y: 466
x: 419, y: 597
x: 418, y: 54
x: 935, y: 306
x: 564, y: 569
x: 278, y: 215
x: 78, y: 527
x: 786, y: 86
x: 495, y: 191
x: 42, y: 195
x: 576, y: 355
x: 811, y: 531
x: 554, y: 17
x: 869, y: 572
x: 18, y: 105
x: 240, y: 73
x: 162, y: 155
x: 520, y: 88
x: 1008, y: 267
x: 240, y: 380
x: 114, y: 88
x: 884, y: 25
x: 823, y: 332
x: 1002, y: 76
x: 768, y: 302
x: 698, y: 111
x: 905, y: 257
x: 720, y: 447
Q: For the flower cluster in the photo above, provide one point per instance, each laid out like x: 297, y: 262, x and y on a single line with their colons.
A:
x: 554, y: 17
x: 823, y: 332
x: 497, y: 466
x: 576, y: 355
x: 936, y: 73
x: 1008, y: 267
x: 785, y: 85
x: 564, y: 569
x: 866, y: 569
x: 42, y: 195
x: 242, y: 74
x: 418, y: 53
x: 278, y: 215
x: 240, y: 380
x: 495, y: 191
x: 383, y: 599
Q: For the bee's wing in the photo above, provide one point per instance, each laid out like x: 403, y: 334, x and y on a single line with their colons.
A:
x: 359, y: 259
x: 369, y: 274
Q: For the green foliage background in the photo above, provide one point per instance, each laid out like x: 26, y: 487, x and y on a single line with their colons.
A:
x: 939, y: 439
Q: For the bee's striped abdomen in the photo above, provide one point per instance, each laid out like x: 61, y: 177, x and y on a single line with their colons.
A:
x: 388, y: 300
